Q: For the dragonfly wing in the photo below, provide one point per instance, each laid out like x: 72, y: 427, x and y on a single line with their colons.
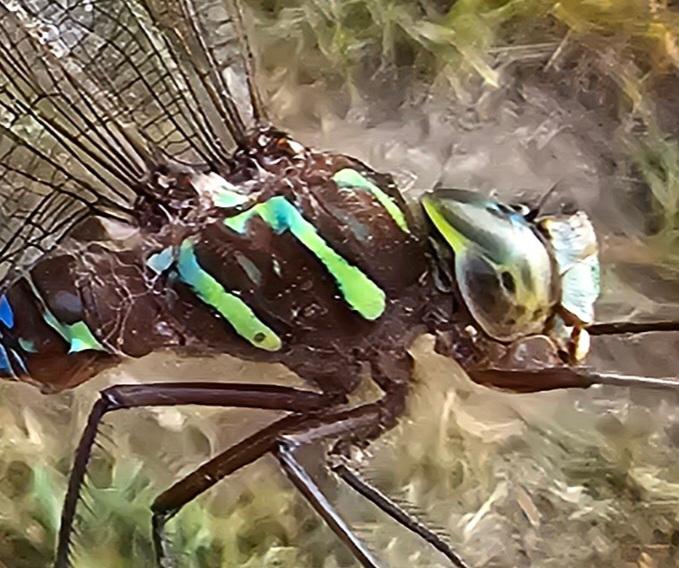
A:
x: 94, y: 93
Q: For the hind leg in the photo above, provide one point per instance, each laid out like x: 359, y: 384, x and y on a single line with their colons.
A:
x: 122, y: 397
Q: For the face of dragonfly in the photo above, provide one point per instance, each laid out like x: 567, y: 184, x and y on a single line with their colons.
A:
x: 519, y: 278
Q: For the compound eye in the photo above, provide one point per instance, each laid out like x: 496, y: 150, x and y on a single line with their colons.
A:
x: 490, y: 295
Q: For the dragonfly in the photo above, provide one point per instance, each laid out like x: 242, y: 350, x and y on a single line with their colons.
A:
x: 149, y: 204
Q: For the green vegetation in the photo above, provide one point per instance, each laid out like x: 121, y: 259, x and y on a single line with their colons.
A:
x: 464, y: 36
x: 626, y: 49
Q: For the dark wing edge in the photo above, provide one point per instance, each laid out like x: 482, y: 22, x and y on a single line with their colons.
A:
x: 94, y: 93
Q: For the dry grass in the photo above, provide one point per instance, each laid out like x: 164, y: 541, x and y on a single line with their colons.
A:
x: 555, y: 479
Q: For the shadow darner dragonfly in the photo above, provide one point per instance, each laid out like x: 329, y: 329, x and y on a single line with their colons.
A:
x: 147, y: 205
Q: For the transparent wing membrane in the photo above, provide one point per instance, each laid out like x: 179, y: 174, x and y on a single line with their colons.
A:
x: 94, y: 93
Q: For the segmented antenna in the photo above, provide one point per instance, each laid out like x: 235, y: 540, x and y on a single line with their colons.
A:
x: 536, y: 209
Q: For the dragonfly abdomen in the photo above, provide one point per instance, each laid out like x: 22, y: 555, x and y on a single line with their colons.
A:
x: 45, y: 336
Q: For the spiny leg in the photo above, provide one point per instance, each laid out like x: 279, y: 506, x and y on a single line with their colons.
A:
x: 357, y: 425
x: 313, y: 494
x: 350, y: 422
x: 120, y: 397
x: 388, y: 506
x: 282, y: 439
x: 170, y: 502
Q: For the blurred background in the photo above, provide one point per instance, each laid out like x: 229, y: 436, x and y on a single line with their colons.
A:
x: 506, y: 97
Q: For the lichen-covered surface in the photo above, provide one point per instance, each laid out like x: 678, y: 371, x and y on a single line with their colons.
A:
x: 511, y: 96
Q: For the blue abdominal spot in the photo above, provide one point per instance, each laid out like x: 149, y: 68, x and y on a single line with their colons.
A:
x: 6, y: 312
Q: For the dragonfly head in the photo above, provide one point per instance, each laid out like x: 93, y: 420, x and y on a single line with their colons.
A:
x: 503, y: 268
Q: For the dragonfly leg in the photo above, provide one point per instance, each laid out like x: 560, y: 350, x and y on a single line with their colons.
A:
x: 170, y: 502
x: 121, y: 397
x: 278, y: 439
x: 283, y: 439
x: 550, y: 378
x: 557, y: 376
x: 354, y: 426
x: 359, y: 421
x: 344, y: 472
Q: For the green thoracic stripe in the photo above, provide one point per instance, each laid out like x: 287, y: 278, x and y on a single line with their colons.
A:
x: 78, y: 335
x: 231, y: 307
x: 348, y: 178
x: 359, y: 291
x: 227, y: 198
x: 28, y: 345
x: 161, y: 261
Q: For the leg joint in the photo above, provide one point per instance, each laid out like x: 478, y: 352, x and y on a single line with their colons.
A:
x: 109, y: 399
x: 285, y: 444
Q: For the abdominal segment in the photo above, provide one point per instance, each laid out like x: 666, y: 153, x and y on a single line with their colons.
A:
x: 45, y: 337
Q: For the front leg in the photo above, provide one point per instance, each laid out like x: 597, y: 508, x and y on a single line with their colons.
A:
x: 532, y: 364
x: 346, y: 473
x: 560, y: 377
x: 119, y: 397
x: 356, y: 426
